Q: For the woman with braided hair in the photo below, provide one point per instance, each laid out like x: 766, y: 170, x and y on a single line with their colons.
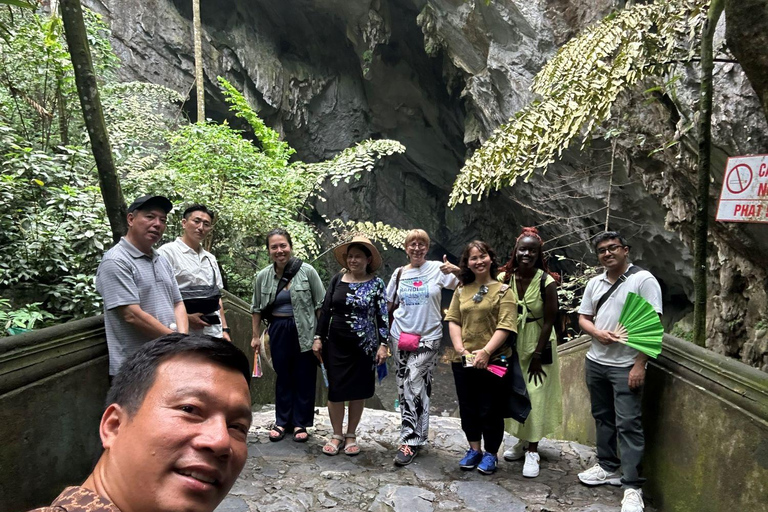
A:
x: 535, y: 291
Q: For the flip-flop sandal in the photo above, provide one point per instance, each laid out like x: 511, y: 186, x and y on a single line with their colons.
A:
x: 333, y: 449
x: 352, y: 448
x: 280, y: 436
x: 300, y: 430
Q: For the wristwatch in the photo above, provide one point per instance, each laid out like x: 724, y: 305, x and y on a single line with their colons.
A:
x: 226, y: 330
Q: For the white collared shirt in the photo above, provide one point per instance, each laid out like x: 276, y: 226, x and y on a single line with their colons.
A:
x: 642, y: 283
x: 193, y: 268
x: 190, y: 267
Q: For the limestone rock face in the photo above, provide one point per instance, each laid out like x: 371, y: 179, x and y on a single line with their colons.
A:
x: 439, y: 76
x: 747, y: 37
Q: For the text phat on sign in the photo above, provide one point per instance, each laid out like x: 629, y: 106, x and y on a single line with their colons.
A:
x: 744, y: 197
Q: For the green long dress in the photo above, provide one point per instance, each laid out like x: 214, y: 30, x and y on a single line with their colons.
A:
x: 547, y: 397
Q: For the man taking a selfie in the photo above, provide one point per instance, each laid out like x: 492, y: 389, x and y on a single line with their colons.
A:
x: 174, y: 432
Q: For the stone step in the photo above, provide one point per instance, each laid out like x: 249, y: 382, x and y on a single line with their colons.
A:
x: 294, y: 477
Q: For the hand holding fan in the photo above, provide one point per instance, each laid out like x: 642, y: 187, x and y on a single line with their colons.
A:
x: 639, y: 326
x: 497, y: 370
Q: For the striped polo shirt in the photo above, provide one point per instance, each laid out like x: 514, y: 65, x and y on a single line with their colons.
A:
x: 128, y: 276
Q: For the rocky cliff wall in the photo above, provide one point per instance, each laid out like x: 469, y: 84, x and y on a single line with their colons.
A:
x: 439, y: 76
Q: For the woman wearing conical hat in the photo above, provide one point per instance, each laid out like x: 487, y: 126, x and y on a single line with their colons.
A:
x: 351, y: 338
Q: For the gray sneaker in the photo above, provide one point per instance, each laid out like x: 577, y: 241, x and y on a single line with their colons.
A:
x: 598, y: 476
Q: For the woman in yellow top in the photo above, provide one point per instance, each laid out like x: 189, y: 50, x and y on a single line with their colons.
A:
x: 481, y: 317
x: 536, y: 314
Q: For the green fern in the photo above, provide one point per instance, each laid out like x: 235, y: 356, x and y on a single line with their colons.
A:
x: 352, y: 162
x: 273, y: 147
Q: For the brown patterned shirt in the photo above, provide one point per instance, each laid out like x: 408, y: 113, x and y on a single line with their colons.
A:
x: 79, y: 499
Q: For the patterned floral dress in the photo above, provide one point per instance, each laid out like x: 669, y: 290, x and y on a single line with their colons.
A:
x: 356, y: 318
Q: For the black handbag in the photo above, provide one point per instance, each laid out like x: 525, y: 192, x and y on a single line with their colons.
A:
x: 515, y: 402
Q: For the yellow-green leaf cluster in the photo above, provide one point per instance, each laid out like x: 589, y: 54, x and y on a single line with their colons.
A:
x: 385, y: 234
x: 352, y: 162
x: 577, y: 89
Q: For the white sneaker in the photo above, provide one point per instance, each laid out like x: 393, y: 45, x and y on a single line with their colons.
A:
x: 531, y: 466
x: 598, y: 476
x: 517, y: 452
x: 633, y: 501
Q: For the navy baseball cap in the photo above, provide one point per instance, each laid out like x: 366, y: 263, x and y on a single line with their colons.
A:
x: 146, y: 202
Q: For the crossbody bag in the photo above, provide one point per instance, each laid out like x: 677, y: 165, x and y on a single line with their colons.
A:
x: 634, y: 269
x: 407, y: 342
x: 291, y: 269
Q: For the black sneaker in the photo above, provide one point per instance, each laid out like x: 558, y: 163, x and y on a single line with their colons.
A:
x: 406, y: 454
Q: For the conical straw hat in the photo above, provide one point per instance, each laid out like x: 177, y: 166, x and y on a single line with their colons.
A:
x: 340, y: 252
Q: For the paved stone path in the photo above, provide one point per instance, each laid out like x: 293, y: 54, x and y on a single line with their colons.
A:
x: 289, y: 476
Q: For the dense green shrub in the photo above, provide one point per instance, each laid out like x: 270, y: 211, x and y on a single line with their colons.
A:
x: 52, y: 227
x: 253, y: 187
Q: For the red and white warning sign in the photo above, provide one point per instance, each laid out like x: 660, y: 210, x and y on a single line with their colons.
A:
x: 744, y: 197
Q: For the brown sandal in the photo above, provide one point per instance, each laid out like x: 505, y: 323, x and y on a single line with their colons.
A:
x: 280, y: 433
x: 298, y: 437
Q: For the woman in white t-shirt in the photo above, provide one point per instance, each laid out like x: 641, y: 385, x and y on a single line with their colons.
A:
x: 415, y: 291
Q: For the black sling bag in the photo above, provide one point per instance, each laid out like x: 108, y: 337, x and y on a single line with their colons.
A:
x: 634, y: 269
x: 291, y: 269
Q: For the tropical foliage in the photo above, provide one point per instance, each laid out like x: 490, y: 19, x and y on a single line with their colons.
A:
x: 386, y: 235
x: 577, y: 89
x: 53, y: 228
x: 251, y: 187
x: 37, y: 85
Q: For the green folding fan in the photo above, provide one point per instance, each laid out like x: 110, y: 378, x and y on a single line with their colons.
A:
x: 639, y: 326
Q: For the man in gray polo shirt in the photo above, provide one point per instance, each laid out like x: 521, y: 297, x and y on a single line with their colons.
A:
x: 141, y: 298
x: 615, y: 373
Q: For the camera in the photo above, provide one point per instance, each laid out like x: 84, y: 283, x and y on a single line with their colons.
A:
x: 211, y: 318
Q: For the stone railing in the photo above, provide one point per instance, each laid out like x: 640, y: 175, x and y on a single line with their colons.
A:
x: 706, y: 424
x: 705, y: 416
x: 52, y: 388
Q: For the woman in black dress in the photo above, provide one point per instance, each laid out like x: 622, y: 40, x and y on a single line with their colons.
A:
x: 352, y: 338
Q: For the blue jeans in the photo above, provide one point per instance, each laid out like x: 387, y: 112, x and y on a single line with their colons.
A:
x: 618, y: 415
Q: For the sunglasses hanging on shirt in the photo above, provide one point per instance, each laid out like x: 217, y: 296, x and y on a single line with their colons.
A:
x: 478, y: 297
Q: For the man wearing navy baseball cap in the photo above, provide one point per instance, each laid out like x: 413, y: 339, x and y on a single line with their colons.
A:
x: 141, y: 298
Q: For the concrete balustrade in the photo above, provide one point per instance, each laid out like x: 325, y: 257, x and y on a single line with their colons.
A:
x: 52, y: 388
